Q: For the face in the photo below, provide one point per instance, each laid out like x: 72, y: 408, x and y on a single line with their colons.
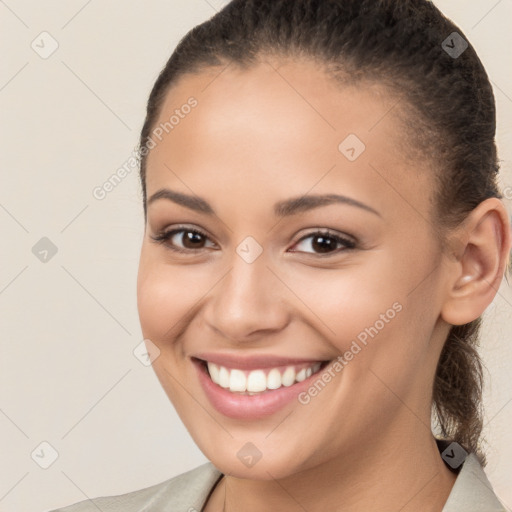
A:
x: 289, y: 277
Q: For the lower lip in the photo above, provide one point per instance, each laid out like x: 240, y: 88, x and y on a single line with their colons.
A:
x: 250, y: 407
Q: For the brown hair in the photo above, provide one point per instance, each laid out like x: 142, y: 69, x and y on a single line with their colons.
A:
x: 410, y: 47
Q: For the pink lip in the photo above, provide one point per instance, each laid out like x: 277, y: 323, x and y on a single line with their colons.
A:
x: 250, y: 407
x: 255, y: 362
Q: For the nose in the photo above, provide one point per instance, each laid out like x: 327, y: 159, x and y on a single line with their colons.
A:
x: 249, y: 302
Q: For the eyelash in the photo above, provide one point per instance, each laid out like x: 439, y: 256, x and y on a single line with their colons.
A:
x: 165, y: 236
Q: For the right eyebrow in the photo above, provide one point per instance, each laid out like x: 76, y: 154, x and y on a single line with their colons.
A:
x: 195, y: 203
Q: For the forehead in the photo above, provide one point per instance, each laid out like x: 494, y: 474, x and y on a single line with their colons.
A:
x: 288, y: 127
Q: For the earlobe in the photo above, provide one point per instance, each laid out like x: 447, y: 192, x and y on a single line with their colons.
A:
x: 476, y: 273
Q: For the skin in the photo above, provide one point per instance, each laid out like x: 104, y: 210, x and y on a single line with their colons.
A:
x: 263, y: 135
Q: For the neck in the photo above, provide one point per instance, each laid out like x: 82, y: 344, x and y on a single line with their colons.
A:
x: 406, y: 474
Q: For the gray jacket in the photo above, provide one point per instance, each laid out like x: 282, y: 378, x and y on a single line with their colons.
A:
x: 189, y: 491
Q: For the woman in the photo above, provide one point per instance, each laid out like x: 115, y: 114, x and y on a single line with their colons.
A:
x: 323, y: 232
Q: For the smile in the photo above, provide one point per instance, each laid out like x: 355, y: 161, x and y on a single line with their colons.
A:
x: 253, y: 388
x: 259, y: 381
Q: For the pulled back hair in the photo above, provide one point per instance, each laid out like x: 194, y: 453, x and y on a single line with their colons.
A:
x: 451, y: 123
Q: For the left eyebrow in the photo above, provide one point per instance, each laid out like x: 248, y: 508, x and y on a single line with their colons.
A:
x: 305, y: 203
x: 284, y: 208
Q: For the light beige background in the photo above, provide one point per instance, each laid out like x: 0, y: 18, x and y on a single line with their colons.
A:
x: 68, y: 375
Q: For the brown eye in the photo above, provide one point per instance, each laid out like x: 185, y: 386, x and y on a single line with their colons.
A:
x: 191, y: 239
x: 325, y: 243
x: 183, y: 239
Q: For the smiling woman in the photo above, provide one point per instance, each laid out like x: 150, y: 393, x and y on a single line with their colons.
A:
x: 323, y: 233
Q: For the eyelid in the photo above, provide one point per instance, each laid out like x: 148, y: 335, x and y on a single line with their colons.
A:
x: 329, y: 232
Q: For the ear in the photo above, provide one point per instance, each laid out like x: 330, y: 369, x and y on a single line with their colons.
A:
x: 481, y: 257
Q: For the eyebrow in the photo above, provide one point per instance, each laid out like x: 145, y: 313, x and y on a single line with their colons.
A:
x: 284, y: 208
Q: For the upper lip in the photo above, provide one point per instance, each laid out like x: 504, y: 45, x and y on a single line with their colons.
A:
x: 253, y: 362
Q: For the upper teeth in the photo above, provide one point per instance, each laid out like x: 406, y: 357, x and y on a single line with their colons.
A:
x: 257, y: 380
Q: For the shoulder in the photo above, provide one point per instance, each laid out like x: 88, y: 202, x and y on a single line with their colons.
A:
x: 472, y: 491
x: 186, y: 492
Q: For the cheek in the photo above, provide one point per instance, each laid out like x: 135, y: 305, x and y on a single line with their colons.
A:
x: 157, y: 301
x: 168, y: 296
x: 372, y: 314
x: 161, y: 297
x: 345, y: 303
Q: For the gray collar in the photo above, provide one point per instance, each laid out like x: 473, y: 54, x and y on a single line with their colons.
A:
x: 189, y: 491
x: 472, y: 491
